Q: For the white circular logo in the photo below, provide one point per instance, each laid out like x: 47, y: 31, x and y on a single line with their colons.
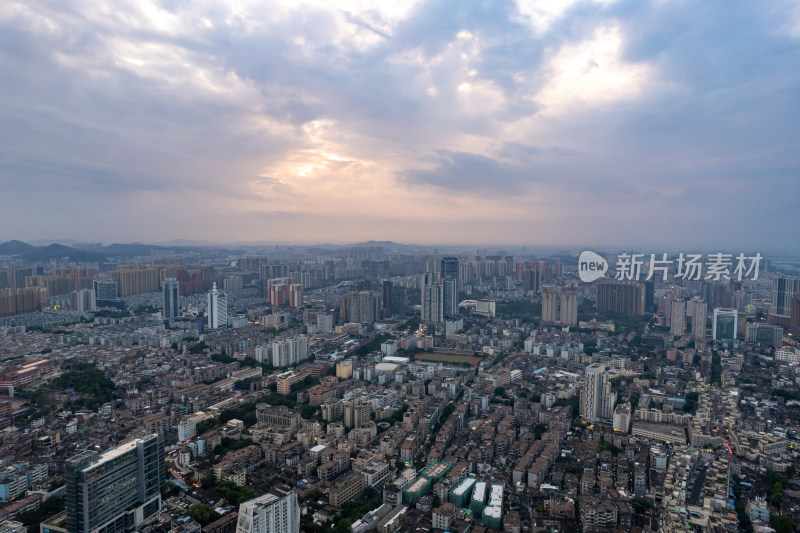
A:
x: 591, y: 266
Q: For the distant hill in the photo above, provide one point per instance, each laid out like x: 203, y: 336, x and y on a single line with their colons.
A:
x: 130, y: 250
x: 57, y: 251
x: 379, y: 243
x: 138, y: 249
x: 16, y: 248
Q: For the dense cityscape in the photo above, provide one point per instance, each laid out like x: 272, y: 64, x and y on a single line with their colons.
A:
x: 394, y: 388
x: 399, y: 266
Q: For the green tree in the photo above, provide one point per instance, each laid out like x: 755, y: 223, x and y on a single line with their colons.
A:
x: 314, y: 495
x: 343, y: 526
x: 419, y: 460
x: 234, y: 493
x: 208, y: 480
x: 201, y: 512
x: 87, y: 379
x: 781, y: 523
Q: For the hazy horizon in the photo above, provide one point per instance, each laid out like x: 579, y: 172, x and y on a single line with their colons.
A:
x: 441, y: 247
x: 656, y: 126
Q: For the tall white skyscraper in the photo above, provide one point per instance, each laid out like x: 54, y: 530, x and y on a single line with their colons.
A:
x: 568, y: 308
x: 289, y: 351
x: 270, y: 514
x: 172, y: 306
x: 697, y: 310
x: 560, y: 307
x: 217, y: 308
x: 550, y: 305
x: 83, y: 300
x: 677, y: 324
x: 432, y: 299
x: 597, y: 399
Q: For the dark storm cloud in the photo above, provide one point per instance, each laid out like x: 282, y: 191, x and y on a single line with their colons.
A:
x: 472, y: 172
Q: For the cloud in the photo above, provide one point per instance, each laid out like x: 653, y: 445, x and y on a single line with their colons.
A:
x: 528, y: 113
x: 464, y: 172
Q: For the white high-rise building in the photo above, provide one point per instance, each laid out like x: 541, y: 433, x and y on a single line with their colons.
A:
x: 697, y: 310
x: 324, y: 323
x: 187, y: 429
x: 289, y: 351
x: 83, y: 300
x: 550, y: 306
x: 622, y: 417
x: 677, y: 313
x: 270, y: 514
x: 597, y: 399
x: 725, y: 324
x: 568, y: 308
x: 432, y: 299
x: 217, y: 308
x: 560, y: 307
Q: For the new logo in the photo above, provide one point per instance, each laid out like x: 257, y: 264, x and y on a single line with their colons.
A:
x: 591, y: 266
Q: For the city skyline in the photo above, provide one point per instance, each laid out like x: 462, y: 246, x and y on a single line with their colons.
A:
x: 562, y: 123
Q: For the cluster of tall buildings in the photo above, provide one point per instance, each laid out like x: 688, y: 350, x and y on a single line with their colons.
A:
x: 439, y: 294
x: 535, y: 274
x: 560, y: 307
x: 26, y: 300
x: 13, y: 278
x: 439, y: 299
x: 360, y: 307
x: 134, y: 279
x: 282, y: 292
x: 21, y: 291
x: 284, y: 352
x: 726, y: 304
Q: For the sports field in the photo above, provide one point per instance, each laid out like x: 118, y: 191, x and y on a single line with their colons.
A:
x: 448, y: 358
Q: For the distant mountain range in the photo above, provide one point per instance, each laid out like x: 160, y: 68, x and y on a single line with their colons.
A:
x: 80, y: 252
x: 16, y: 248
x: 57, y: 251
x: 27, y: 251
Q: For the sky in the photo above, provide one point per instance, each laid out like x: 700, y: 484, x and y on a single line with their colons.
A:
x: 629, y: 123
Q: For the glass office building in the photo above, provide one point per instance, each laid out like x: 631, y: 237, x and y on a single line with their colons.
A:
x: 115, y: 491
